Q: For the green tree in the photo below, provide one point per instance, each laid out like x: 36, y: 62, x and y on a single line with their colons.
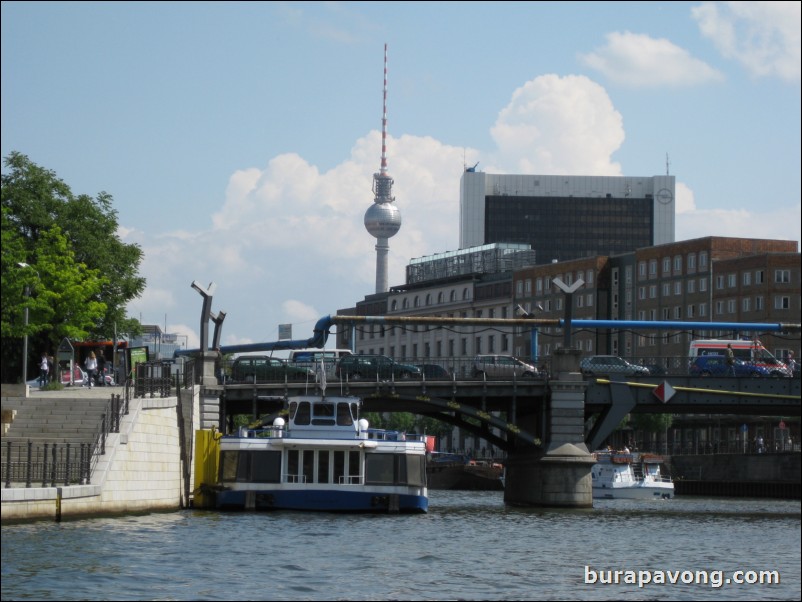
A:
x: 81, y: 275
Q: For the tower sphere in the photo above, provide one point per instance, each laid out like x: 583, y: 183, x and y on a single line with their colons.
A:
x: 383, y: 220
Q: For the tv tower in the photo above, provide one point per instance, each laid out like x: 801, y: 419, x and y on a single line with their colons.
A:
x: 383, y: 219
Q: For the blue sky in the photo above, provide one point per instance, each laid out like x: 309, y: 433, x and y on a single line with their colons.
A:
x: 239, y: 139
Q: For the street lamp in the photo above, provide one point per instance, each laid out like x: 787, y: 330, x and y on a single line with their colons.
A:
x: 24, y: 265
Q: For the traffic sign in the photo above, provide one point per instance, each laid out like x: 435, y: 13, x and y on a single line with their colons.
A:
x: 664, y: 392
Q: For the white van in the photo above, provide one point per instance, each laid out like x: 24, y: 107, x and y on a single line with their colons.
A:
x: 751, y: 351
x: 310, y: 358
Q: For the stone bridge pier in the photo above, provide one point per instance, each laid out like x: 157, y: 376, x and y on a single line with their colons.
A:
x: 557, y: 474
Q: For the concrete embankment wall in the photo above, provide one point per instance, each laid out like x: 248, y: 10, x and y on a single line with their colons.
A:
x: 776, y: 475
x: 141, y: 471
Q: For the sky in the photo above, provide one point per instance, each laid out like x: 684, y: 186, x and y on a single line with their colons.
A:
x: 239, y: 139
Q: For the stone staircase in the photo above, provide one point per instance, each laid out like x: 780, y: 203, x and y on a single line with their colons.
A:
x: 53, y: 420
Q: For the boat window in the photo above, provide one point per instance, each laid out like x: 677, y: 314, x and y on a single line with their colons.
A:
x: 324, y: 414
x: 379, y: 469
x: 339, y: 466
x: 309, y: 466
x: 228, y: 466
x: 293, y: 408
x: 416, y: 470
x: 292, y: 466
x: 323, y: 466
x: 265, y: 467
x: 353, y: 467
x: 344, y: 417
x: 303, y: 415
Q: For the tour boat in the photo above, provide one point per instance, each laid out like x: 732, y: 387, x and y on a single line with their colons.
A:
x: 324, y: 457
x: 629, y: 476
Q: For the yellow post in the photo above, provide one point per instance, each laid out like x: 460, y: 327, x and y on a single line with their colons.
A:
x: 207, y: 457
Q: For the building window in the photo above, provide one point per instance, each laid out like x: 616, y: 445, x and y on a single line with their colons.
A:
x: 428, y: 299
x: 394, y: 305
x: 782, y: 302
x: 453, y: 296
x: 465, y: 294
x: 416, y: 302
x: 719, y: 308
x: 440, y: 297
x: 678, y: 287
x: 666, y: 313
x: 702, y: 285
x: 580, y: 300
x: 731, y: 306
x: 653, y: 267
x: 759, y: 277
x: 719, y: 282
x: 758, y: 303
x: 745, y: 304
x: 641, y: 293
x: 702, y: 310
x: 703, y: 260
x: 678, y: 264
x: 653, y: 291
x: 782, y: 276
x: 747, y: 278
x: 539, y: 286
x: 691, y: 311
x: 405, y: 303
x: 519, y: 288
x: 642, y: 315
x: 691, y: 262
x: 478, y: 344
x: 589, y: 300
x: 691, y: 285
x: 491, y: 344
x: 666, y: 265
x: 628, y: 275
x: 528, y: 287
x: 732, y: 280
x: 666, y: 289
x: 678, y: 313
x: 589, y: 277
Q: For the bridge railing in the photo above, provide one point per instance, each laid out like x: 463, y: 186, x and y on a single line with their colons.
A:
x: 466, y: 368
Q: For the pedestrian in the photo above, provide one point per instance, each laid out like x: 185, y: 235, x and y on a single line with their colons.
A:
x: 790, y: 362
x: 91, y: 368
x: 730, y: 360
x: 44, y: 370
x: 101, y: 369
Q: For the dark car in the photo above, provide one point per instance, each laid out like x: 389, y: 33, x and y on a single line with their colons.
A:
x: 433, y: 371
x: 716, y: 365
x: 373, y: 367
x: 601, y: 365
x: 263, y: 368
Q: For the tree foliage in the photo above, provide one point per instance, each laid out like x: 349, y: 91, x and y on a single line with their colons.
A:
x: 79, y: 275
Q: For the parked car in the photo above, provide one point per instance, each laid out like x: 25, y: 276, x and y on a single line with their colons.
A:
x: 433, y: 371
x: 263, y: 368
x: 502, y: 366
x: 372, y: 367
x: 604, y: 365
x: 716, y: 365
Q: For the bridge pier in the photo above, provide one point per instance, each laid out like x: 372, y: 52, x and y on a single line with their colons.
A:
x: 558, y: 473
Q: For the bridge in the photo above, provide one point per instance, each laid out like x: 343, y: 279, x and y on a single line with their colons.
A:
x: 469, y: 401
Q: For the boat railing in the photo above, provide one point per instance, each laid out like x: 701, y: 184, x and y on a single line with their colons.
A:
x: 384, y: 435
x: 350, y: 480
x: 294, y: 478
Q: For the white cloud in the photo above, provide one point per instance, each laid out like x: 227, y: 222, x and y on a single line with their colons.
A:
x: 637, y: 60
x: 559, y: 125
x: 763, y: 36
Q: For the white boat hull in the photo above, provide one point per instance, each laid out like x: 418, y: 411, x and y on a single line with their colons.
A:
x: 635, y: 492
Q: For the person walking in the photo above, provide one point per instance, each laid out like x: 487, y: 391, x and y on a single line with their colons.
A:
x: 91, y: 368
x: 101, y: 369
x: 44, y: 370
x: 730, y: 360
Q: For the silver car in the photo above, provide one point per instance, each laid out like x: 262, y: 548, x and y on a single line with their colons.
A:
x: 602, y: 365
x: 502, y: 366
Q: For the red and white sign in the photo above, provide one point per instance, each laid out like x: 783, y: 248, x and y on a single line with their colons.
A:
x: 664, y: 392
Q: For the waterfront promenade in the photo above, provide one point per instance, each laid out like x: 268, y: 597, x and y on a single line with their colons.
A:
x: 139, y: 468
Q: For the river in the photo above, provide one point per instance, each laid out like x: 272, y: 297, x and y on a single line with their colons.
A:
x: 470, y: 546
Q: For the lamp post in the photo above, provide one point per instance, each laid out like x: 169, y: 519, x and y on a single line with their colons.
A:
x: 24, y: 265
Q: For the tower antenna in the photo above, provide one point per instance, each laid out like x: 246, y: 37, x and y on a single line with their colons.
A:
x: 667, y: 163
x: 382, y: 219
